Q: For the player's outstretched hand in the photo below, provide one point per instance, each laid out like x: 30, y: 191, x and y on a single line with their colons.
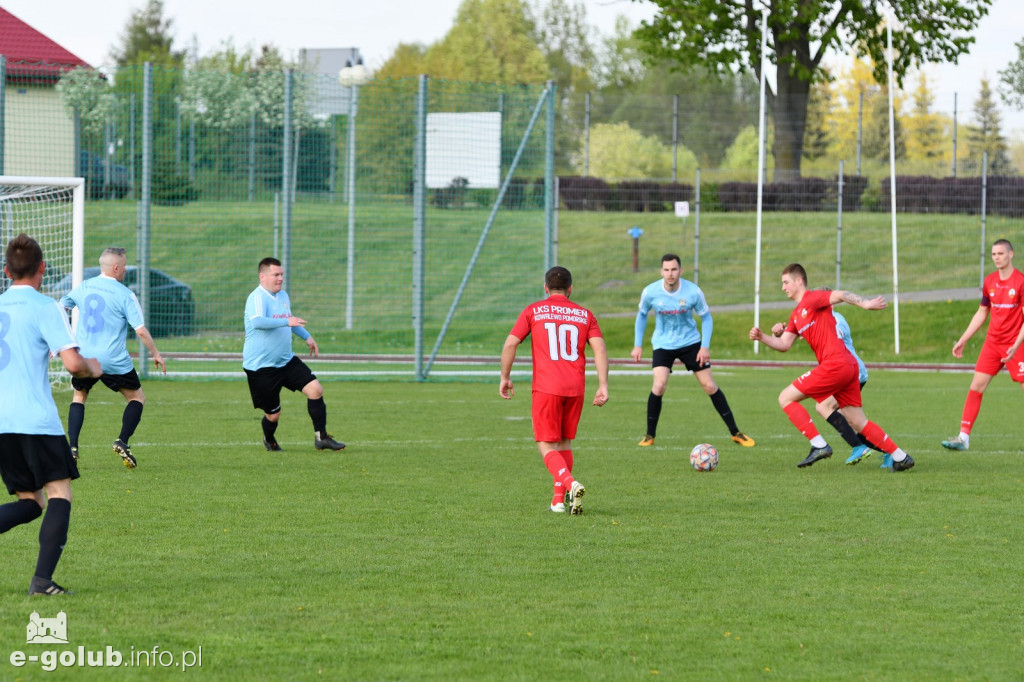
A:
x: 601, y: 397
x: 506, y: 390
x: 876, y: 303
x: 296, y: 322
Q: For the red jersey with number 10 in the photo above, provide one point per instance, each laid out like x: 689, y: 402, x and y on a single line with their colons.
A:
x: 813, y: 319
x: 560, y: 330
x: 1002, y: 298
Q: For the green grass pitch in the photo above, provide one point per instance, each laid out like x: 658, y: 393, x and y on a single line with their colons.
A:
x: 425, y: 552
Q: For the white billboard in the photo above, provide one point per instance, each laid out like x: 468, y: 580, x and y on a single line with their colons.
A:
x: 464, y: 146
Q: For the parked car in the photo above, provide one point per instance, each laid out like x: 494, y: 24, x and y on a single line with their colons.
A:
x: 51, y: 278
x: 93, y: 168
x: 171, y: 306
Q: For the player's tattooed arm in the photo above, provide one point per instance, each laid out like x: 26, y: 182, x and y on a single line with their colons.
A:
x: 876, y: 303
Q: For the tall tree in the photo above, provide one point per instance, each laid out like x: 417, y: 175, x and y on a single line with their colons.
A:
x: 148, y: 37
x: 926, y: 136
x: 490, y: 42
x: 818, y: 134
x: 723, y: 36
x: 1011, y: 80
x: 986, y: 136
x: 564, y: 37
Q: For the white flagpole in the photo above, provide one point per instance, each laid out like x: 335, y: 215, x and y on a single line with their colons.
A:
x: 892, y: 186
x: 760, y: 171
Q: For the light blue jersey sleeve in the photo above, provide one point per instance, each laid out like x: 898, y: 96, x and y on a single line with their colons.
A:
x: 640, y: 327
x: 843, y: 329
x: 33, y: 327
x: 106, y: 308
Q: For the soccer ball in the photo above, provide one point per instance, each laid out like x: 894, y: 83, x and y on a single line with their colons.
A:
x: 704, y: 457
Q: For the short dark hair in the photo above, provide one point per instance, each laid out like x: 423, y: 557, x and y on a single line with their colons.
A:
x: 795, y: 269
x: 267, y: 262
x: 1004, y: 242
x: 558, y: 279
x: 672, y: 256
x: 23, y: 257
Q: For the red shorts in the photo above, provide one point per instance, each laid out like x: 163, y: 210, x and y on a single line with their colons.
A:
x: 555, y: 417
x: 990, y: 361
x: 837, y: 379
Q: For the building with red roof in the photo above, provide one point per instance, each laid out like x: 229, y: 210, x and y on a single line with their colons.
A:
x: 38, y: 131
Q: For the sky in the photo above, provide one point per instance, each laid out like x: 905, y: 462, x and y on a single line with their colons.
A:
x: 376, y: 27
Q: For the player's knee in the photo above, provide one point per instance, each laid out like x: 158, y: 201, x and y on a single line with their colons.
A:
x: 313, y: 390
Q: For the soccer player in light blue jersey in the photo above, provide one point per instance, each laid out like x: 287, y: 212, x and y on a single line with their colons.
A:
x: 674, y: 302
x: 269, y: 362
x: 35, y: 459
x: 105, y: 309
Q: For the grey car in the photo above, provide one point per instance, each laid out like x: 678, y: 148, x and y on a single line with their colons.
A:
x: 171, y: 307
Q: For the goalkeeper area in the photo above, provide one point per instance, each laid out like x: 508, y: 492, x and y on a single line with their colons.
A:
x: 51, y: 211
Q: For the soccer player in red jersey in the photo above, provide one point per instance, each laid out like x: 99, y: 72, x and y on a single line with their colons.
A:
x: 1001, y: 297
x: 560, y: 331
x: 836, y: 374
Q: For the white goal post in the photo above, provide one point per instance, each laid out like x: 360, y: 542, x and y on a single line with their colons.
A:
x: 51, y: 211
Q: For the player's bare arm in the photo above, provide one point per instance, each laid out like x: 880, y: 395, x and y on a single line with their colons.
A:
x: 79, y: 366
x: 972, y: 327
x: 597, y: 345
x: 147, y: 341
x: 781, y: 344
x: 508, y: 355
x: 876, y: 303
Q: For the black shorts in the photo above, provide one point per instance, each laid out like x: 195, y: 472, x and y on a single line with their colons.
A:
x: 265, y: 383
x: 30, y: 461
x: 115, y: 382
x: 666, y: 357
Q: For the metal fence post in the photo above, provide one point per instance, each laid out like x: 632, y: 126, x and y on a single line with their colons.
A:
x: 839, y: 228
x: 286, y: 175
x: 675, y: 136
x: 984, y: 221
x: 696, y: 229
x: 419, y: 208
x: 954, y: 137
x: 549, y: 177
x: 144, y: 204
x: 586, y: 137
x: 3, y: 112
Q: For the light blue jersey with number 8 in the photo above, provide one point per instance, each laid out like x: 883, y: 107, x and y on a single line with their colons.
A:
x: 105, y: 309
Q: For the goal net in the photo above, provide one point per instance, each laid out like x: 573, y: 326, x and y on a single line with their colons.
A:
x: 51, y: 211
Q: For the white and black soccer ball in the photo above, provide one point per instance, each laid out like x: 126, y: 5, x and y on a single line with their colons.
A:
x: 704, y: 457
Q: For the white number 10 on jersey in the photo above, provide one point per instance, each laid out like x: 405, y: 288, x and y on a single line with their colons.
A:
x: 563, y: 341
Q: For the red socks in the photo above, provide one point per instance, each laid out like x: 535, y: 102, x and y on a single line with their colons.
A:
x: 559, y: 463
x: 971, y: 408
x: 801, y: 420
x: 874, y: 433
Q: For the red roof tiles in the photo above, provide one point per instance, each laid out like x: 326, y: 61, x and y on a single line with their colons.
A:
x: 31, y: 54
